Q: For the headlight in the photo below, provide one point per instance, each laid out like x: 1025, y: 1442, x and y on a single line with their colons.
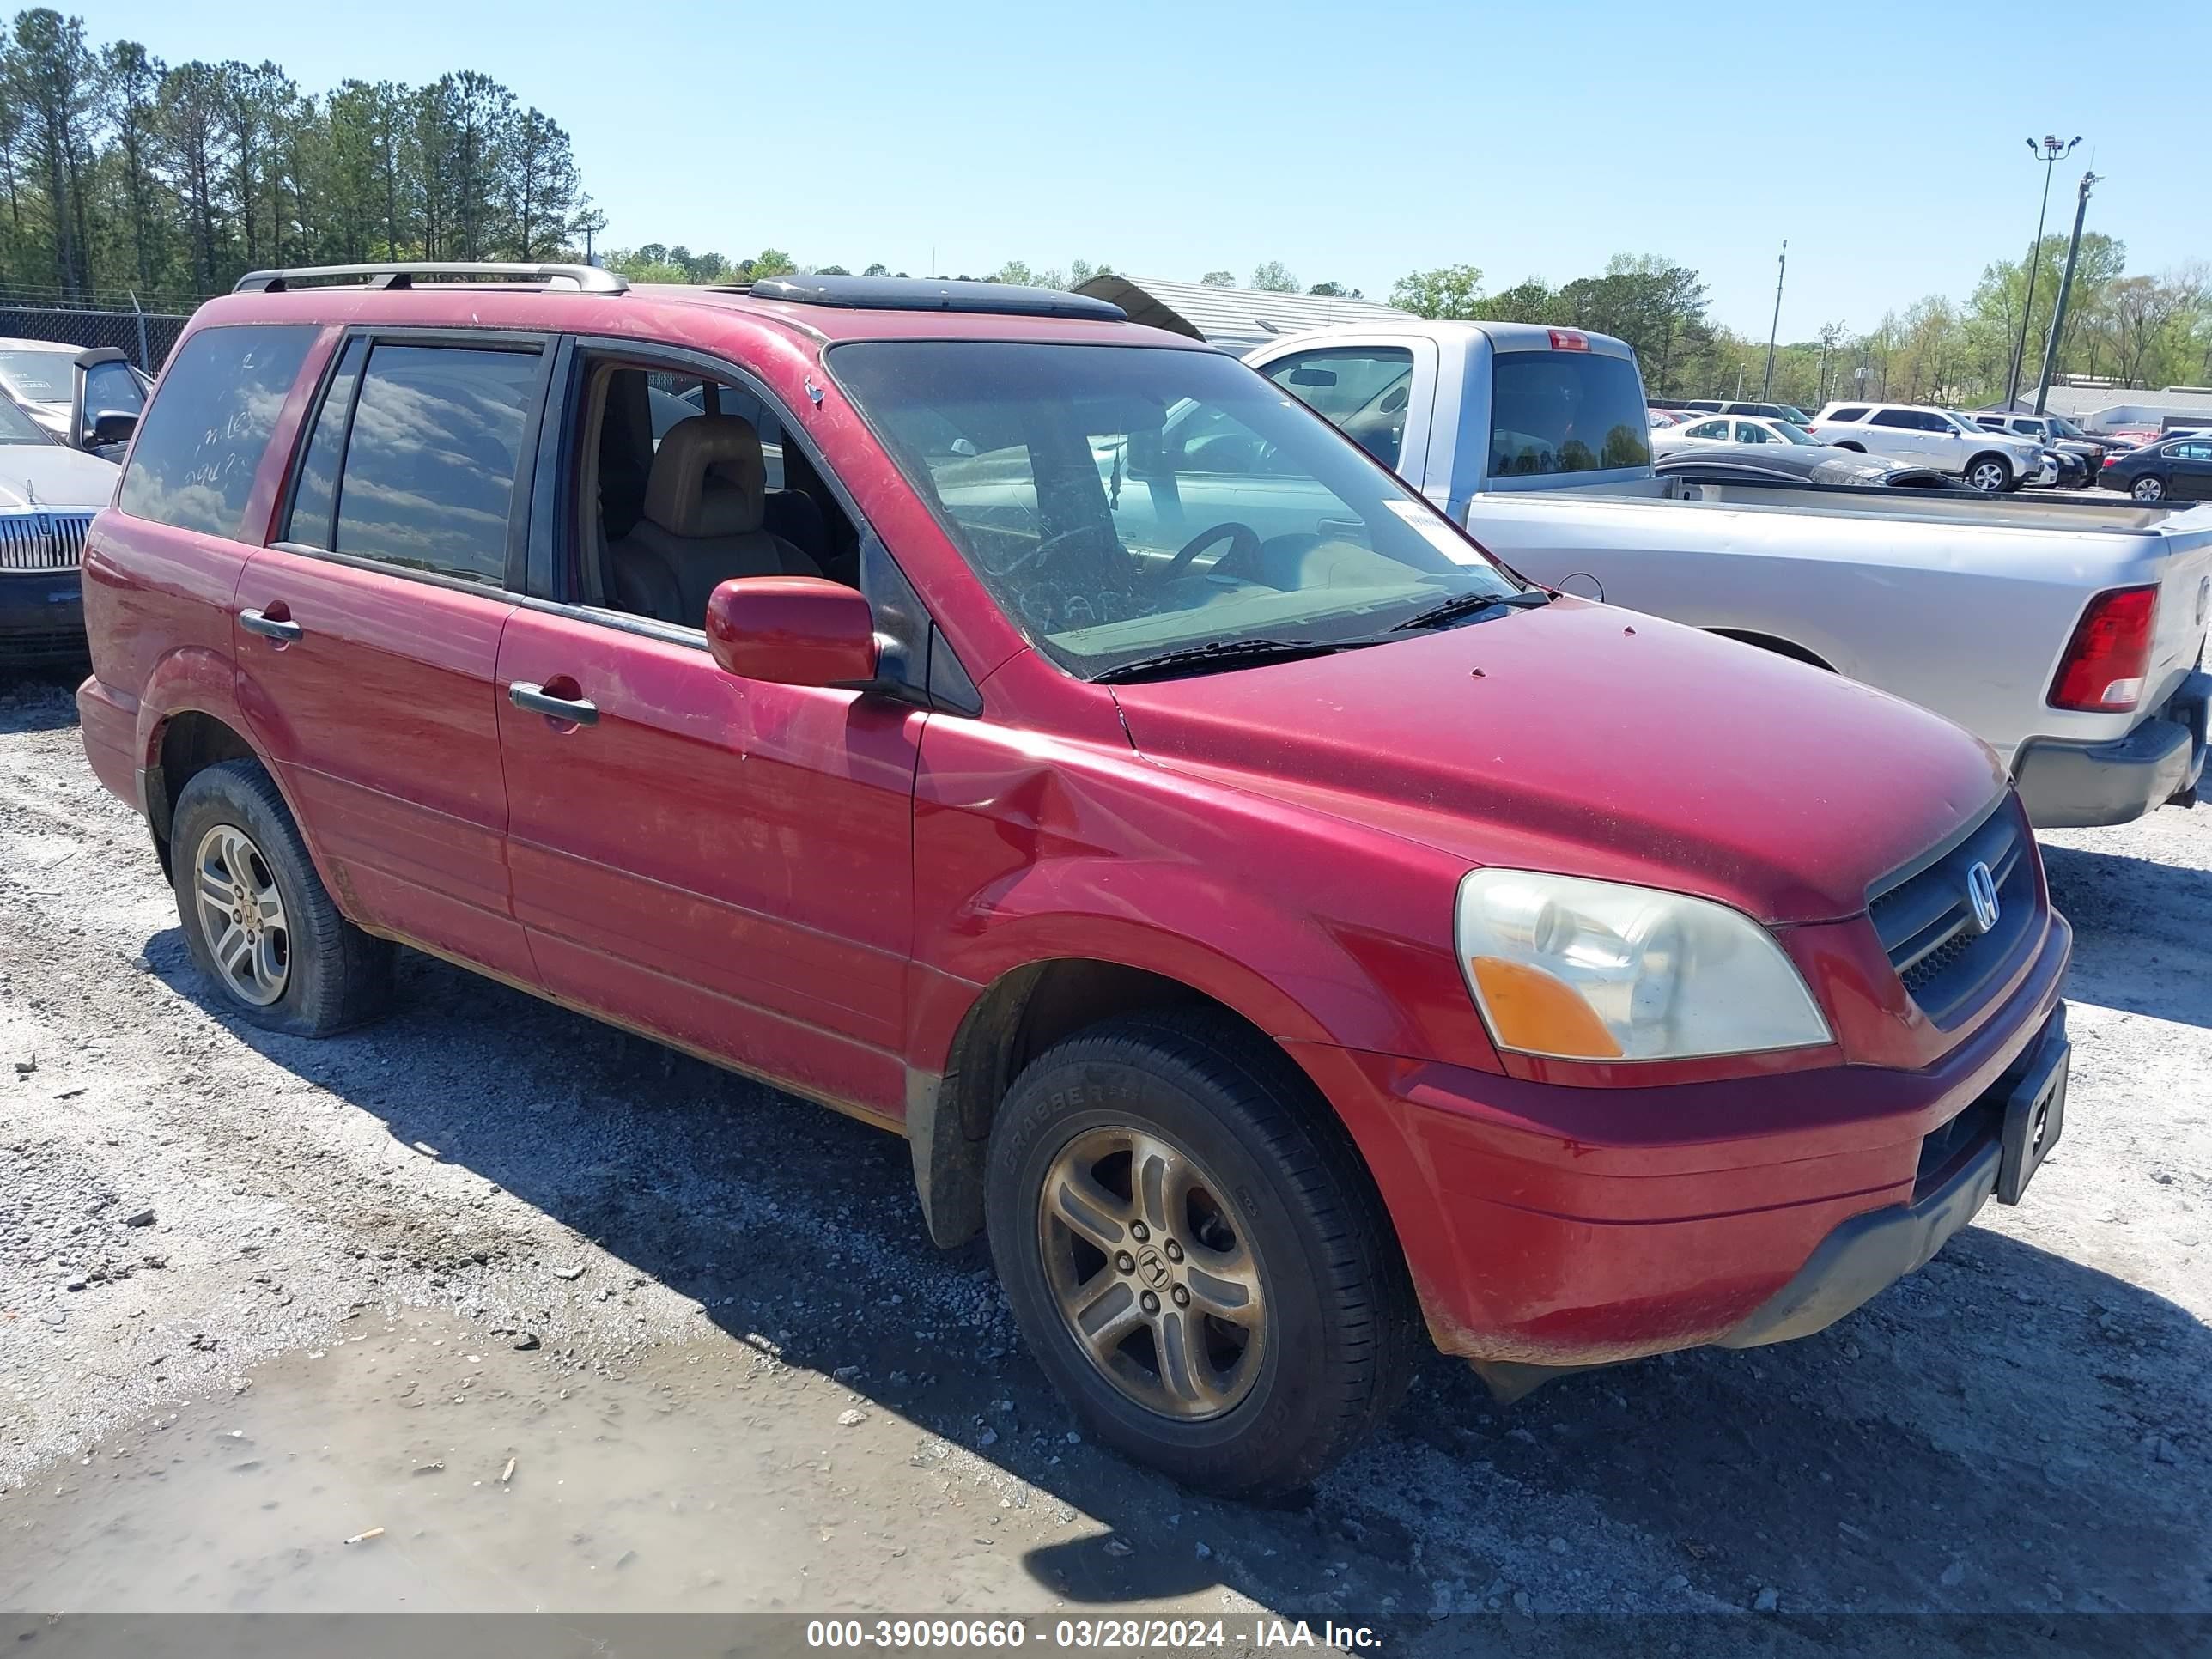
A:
x: 1582, y: 969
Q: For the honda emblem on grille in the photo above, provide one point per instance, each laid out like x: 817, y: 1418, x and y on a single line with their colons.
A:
x: 1982, y: 894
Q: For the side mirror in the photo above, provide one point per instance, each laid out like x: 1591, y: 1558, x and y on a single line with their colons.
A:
x: 113, y: 426
x: 792, y: 630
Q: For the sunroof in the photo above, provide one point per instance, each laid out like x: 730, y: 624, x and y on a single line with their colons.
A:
x: 924, y: 293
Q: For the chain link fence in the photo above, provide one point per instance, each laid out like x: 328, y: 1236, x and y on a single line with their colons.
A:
x: 144, y: 333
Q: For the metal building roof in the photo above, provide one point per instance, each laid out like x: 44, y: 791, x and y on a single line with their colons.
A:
x: 1232, y: 318
x: 2106, y: 407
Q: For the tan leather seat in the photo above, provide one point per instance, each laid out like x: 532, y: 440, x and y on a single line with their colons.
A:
x: 704, y: 500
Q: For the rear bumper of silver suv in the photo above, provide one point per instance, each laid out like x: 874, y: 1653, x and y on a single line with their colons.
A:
x: 2073, y: 786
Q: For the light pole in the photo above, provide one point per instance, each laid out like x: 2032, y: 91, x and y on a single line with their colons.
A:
x: 2065, y: 287
x: 2049, y: 152
x: 1782, y: 269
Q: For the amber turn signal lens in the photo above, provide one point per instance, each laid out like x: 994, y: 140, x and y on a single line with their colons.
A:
x: 1535, y: 1011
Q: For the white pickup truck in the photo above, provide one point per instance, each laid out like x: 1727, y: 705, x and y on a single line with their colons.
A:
x: 2067, y: 635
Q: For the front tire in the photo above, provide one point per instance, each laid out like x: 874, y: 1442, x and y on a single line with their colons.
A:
x: 259, y: 925
x: 1195, y: 1256
x: 2148, y: 488
x: 1990, y: 474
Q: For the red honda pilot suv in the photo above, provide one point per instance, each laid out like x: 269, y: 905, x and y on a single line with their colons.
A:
x: 1276, y: 925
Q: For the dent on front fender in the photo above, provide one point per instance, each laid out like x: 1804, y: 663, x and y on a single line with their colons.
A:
x: 1031, y: 849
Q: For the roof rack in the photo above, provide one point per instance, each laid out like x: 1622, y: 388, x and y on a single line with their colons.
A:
x: 586, y: 279
x: 934, y: 294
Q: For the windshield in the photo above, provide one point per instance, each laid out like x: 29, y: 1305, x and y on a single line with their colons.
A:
x: 1566, y: 411
x: 1121, y: 503
x: 17, y: 428
x: 1796, y: 434
x: 39, y: 377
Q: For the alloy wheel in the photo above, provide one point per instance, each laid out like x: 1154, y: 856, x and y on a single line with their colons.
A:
x: 1988, y: 476
x: 1154, y: 1272
x: 241, y: 916
x: 2149, y: 490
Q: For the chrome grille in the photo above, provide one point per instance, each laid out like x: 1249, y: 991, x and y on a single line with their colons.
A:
x: 1926, y: 920
x: 42, y: 541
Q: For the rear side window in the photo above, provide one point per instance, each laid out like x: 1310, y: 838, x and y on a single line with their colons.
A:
x: 431, y: 451
x: 1898, y: 417
x: 1856, y: 412
x: 1566, y: 411
x: 202, y: 441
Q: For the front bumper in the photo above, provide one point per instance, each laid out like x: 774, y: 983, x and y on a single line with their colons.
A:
x: 41, y: 616
x: 2014, y: 1129
x: 2075, y: 786
x: 1552, y: 1228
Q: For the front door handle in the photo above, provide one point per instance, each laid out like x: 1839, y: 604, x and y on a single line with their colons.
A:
x: 523, y: 694
x: 268, y: 627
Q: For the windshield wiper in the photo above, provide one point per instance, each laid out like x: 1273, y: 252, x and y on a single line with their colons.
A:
x: 1221, y: 653
x: 1469, y: 604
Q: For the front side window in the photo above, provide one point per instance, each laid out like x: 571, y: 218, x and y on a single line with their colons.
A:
x: 202, y: 439
x: 428, y: 478
x: 110, y: 388
x: 1565, y: 411
x: 1062, y: 473
x: 1362, y: 391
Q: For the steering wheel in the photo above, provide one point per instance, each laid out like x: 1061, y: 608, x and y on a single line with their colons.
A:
x: 1242, y: 540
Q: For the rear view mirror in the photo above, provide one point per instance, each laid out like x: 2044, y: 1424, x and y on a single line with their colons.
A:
x: 1307, y: 375
x: 792, y: 630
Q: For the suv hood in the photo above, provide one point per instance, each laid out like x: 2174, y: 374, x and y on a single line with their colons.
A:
x: 1592, y: 741
x: 35, y: 476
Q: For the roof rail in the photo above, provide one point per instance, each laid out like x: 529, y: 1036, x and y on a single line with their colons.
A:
x: 587, y: 279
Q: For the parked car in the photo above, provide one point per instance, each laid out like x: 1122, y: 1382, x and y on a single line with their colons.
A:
x: 89, y: 399
x: 2053, y: 431
x: 1738, y: 430
x: 1991, y: 462
x: 1795, y: 463
x: 1660, y: 419
x: 2179, y: 468
x: 1248, y: 928
x: 1529, y: 437
x: 48, y: 495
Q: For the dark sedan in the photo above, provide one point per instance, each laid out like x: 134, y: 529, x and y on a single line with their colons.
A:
x: 1811, y: 463
x: 2179, y: 470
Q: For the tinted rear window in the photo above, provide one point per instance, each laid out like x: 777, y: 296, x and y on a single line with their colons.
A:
x: 1855, y: 412
x: 431, y: 457
x: 1566, y: 411
x: 201, y: 442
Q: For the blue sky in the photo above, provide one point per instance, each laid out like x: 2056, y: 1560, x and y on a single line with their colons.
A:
x: 1350, y: 143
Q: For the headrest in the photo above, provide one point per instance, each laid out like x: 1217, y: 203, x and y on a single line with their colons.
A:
x: 709, y: 478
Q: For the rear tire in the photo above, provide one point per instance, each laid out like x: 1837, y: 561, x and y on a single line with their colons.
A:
x: 2148, y: 488
x: 259, y: 925
x: 1205, y: 1177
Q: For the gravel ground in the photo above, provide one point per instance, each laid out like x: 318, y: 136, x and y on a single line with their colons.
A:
x: 486, y: 1228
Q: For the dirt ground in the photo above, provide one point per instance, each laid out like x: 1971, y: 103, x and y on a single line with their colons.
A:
x: 701, y: 1320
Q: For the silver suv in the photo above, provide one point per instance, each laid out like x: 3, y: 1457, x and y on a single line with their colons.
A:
x: 1989, y: 461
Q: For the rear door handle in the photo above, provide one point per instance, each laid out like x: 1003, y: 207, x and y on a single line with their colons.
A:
x: 269, y: 628
x: 523, y: 694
